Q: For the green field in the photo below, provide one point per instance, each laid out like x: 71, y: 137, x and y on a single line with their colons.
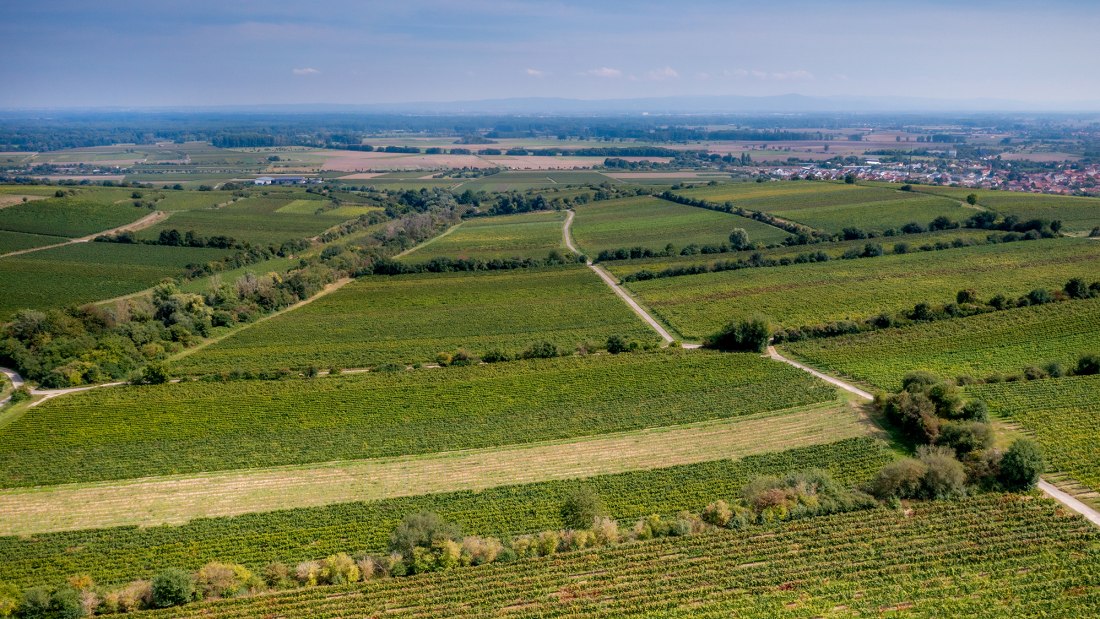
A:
x: 14, y: 241
x: 653, y: 223
x: 80, y: 273
x: 120, y: 554
x: 117, y: 433
x: 254, y: 220
x: 1063, y: 414
x: 804, y: 294
x: 518, y: 181
x: 526, y: 235
x: 983, y: 557
x: 73, y: 216
x: 833, y: 207
x: 411, y: 318
x: 622, y: 268
x: 1077, y: 213
x: 977, y: 346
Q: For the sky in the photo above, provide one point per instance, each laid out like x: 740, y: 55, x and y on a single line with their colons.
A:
x: 77, y: 53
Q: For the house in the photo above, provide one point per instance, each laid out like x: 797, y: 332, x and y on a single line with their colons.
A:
x: 263, y: 180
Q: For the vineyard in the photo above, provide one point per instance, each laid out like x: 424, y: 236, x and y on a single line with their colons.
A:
x: 1077, y: 213
x: 410, y: 319
x: 815, y: 293
x: 14, y: 241
x: 256, y: 220
x: 527, y: 235
x: 835, y: 250
x: 120, y: 554
x: 653, y: 223
x: 976, y: 346
x: 209, y: 426
x: 989, y: 556
x: 179, y: 498
x: 519, y: 181
x: 1062, y: 414
x: 833, y: 207
x: 85, y: 272
x: 74, y: 216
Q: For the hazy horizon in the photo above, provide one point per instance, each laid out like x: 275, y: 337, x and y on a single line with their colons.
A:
x: 123, y: 54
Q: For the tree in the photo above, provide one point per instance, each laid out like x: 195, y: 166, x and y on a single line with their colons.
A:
x: 65, y: 604
x: 617, y: 344
x: 421, y: 530
x: 1077, y: 289
x: 966, y: 436
x: 36, y: 603
x: 1021, y: 466
x: 750, y: 335
x: 739, y: 239
x: 850, y: 179
x: 945, y: 477
x: 582, y: 507
x: 1088, y: 365
x: 972, y: 199
x: 900, y: 479
x: 172, y: 587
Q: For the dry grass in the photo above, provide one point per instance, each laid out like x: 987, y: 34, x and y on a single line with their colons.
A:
x: 177, y: 499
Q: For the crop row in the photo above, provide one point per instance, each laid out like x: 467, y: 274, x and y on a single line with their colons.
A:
x: 527, y: 235
x: 990, y: 556
x: 975, y: 346
x: 120, y: 554
x: 409, y: 319
x: 1077, y: 213
x: 1062, y: 414
x: 117, y: 433
x: 253, y: 220
x: 856, y: 289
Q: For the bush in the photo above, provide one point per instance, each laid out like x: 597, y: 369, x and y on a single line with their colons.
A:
x: 966, y: 436
x: 900, y: 479
x: 36, y: 603
x: 1054, y: 369
x: 277, y: 576
x: 21, y: 394
x: 495, y: 356
x: 739, y: 239
x: 975, y: 410
x: 339, y: 569
x: 154, y: 374
x: 966, y: 296
x: 1021, y: 466
x: 421, y: 530
x: 172, y: 587
x: 750, y: 335
x: 617, y: 344
x: 582, y: 507
x: 945, y: 477
x: 1088, y: 365
x: 221, y: 580
x: 541, y: 350
x: 1077, y: 289
x: 9, y: 599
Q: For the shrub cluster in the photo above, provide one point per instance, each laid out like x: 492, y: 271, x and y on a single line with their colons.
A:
x: 424, y: 542
x: 749, y: 335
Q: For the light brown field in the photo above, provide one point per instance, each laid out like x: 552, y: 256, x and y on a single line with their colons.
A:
x: 9, y: 200
x: 177, y: 499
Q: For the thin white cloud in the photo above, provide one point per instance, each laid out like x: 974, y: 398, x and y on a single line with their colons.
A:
x: 305, y: 71
x: 536, y: 73
x: 603, y: 72
x: 666, y: 73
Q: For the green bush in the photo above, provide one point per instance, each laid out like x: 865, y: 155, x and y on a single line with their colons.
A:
x: 945, y: 477
x: 541, y: 350
x: 1088, y: 365
x: 1021, y: 466
x: 751, y: 335
x: 582, y: 507
x: 9, y: 599
x: 172, y: 587
x: 421, y: 530
x: 966, y: 436
x: 900, y: 479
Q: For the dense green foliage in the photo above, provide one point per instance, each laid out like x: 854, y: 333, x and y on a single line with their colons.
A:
x: 85, y: 272
x: 121, y: 554
x: 654, y: 223
x: 854, y: 289
x: 527, y: 235
x: 989, y: 556
x: 1062, y: 414
x: 204, y: 426
x: 410, y: 319
x: 977, y: 346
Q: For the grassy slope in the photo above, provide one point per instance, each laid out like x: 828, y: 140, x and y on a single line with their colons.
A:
x: 409, y: 319
x: 853, y: 289
x: 121, y: 554
x: 526, y: 235
x: 114, y: 434
x: 977, y: 346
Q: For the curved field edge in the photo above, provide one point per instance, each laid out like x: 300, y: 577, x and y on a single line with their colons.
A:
x: 976, y: 346
x: 988, y: 556
x: 411, y: 318
x: 116, y: 433
x: 120, y: 554
x: 178, y: 499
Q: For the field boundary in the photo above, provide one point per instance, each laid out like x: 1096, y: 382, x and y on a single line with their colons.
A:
x: 149, y: 220
x: 175, y: 499
x: 1046, y: 487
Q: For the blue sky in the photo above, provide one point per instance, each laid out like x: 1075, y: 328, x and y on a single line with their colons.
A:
x: 199, y: 52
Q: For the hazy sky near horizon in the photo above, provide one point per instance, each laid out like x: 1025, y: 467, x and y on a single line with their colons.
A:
x: 77, y: 53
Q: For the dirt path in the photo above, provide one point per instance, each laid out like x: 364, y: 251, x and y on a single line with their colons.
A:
x: 567, y: 236
x: 16, y: 382
x: 1046, y: 487
x: 149, y: 220
x: 428, y: 242
x: 177, y: 499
